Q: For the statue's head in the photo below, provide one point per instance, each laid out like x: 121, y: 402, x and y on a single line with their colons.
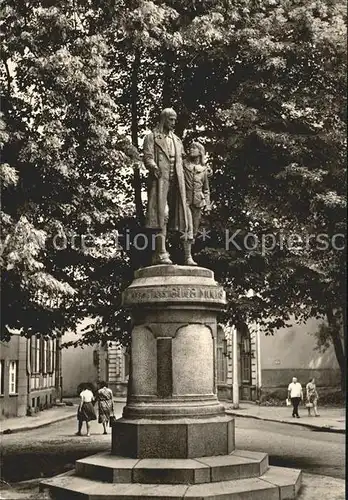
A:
x: 197, y: 149
x: 167, y: 119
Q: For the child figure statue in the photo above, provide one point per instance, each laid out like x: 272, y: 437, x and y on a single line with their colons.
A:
x: 196, y: 175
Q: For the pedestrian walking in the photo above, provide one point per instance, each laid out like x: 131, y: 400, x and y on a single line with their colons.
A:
x: 312, y: 397
x: 85, y: 412
x: 105, y: 405
x: 295, y: 394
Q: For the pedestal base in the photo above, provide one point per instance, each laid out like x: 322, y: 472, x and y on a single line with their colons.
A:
x: 243, y: 475
x: 177, y: 438
x: 174, y: 440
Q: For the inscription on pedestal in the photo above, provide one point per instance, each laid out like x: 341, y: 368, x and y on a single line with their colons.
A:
x: 173, y: 293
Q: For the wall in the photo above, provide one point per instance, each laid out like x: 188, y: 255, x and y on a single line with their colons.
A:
x: 77, y: 364
x: 16, y: 404
x: 93, y: 364
x: 42, y: 399
x: 291, y: 352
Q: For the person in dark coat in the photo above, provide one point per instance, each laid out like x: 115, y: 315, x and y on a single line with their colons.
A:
x: 163, y: 157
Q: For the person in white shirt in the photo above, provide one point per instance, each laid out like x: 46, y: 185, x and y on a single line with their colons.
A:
x: 85, y: 412
x: 295, y: 393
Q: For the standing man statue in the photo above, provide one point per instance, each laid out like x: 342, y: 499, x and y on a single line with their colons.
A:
x: 163, y: 157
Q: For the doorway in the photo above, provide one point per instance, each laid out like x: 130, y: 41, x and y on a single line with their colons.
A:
x: 246, y: 389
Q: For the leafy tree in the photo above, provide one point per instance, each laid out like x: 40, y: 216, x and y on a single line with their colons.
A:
x: 64, y: 171
x: 280, y: 164
x: 262, y: 84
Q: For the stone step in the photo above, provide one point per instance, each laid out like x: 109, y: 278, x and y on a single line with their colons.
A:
x: 277, y: 483
x: 113, y: 469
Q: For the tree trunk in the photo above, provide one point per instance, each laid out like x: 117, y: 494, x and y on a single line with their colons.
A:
x: 338, y: 346
x: 135, y: 133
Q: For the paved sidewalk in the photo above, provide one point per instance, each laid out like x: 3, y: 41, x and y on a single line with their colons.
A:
x: 330, y: 420
x: 40, y: 419
x: 43, y: 418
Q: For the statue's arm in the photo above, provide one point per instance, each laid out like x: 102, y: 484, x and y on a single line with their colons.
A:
x: 206, y: 191
x: 149, y: 154
x: 183, y: 152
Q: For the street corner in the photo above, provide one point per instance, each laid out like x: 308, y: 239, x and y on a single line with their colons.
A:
x: 316, y: 487
x: 41, y: 419
x: 321, y: 424
x: 28, y: 490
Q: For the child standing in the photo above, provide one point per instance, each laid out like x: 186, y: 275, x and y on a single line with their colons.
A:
x: 197, y: 195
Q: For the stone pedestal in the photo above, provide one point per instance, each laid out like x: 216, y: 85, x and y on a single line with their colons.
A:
x: 172, y: 409
x: 174, y: 440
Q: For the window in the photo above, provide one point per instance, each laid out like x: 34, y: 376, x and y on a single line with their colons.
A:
x: 246, y: 369
x: 126, y: 364
x: 53, y: 355
x: 49, y: 355
x: 35, y: 354
x: 44, y: 356
x: 246, y: 347
x: 221, y: 365
x: 13, y: 377
x: 245, y: 360
x: 118, y: 365
x: 32, y: 354
x: 221, y: 360
x: 2, y: 377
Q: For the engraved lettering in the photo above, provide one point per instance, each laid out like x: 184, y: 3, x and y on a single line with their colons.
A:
x: 149, y: 294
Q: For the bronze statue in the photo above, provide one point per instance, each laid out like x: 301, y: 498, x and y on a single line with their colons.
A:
x: 196, y: 175
x: 163, y: 157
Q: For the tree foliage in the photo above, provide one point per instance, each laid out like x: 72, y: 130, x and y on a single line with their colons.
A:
x: 64, y: 171
x: 261, y: 83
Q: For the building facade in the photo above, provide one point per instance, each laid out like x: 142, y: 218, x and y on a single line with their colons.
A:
x: 113, y: 367
x: 237, y: 367
x: 30, y: 375
x: 259, y: 366
x: 252, y: 366
x: 93, y: 363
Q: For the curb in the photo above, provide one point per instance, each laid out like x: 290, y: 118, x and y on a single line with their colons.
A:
x: 309, y: 426
x: 42, y: 424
